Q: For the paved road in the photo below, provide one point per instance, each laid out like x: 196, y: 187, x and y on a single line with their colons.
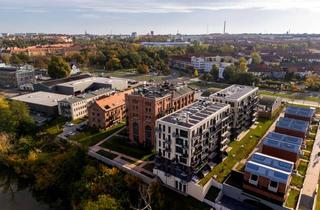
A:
x: 312, y: 176
x: 71, y: 129
x: 302, y: 102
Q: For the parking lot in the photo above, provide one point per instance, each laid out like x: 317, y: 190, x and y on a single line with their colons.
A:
x: 70, y: 129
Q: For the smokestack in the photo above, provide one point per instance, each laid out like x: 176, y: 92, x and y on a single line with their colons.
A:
x: 224, y: 27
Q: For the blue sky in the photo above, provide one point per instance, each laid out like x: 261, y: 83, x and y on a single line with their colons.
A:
x: 162, y: 16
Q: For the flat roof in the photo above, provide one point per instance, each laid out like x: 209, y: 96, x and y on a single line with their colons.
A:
x: 283, y: 142
x: 91, y: 80
x: 293, y: 124
x: 161, y: 90
x: 300, y: 111
x: 89, y: 95
x: 194, y: 113
x: 234, y: 92
x: 41, y: 98
x: 270, y: 167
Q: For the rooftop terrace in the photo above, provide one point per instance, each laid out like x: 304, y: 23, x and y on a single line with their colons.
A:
x: 234, y: 92
x: 158, y: 91
x: 194, y: 113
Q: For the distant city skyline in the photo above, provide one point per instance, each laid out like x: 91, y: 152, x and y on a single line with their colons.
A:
x: 161, y: 16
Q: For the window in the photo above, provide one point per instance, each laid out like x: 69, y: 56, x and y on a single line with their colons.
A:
x: 183, y: 133
x: 169, y: 129
x: 179, y: 150
x: 253, y: 179
x: 273, y: 186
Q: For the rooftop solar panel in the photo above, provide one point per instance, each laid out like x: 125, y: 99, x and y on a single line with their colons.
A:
x: 300, y: 111
x: 292, y: 124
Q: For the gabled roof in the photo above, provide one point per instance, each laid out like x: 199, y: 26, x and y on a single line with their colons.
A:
x: 293, y: 124
x: 270, y: 167
x: 300, y: 111
x: 283, y: 142
x: 112, y: 101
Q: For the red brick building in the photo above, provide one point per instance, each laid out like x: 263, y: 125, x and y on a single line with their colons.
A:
x: 146, y: 104
x: 267, y: 177
x: 282, y: 146
x: 300, y: 113
x: 292, y: 127
x: 108, y: 111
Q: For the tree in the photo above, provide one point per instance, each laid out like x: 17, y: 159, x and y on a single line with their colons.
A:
x: 5, y: 58
x: 58, y: 68
x: 15, y: 118
x: 104, y: 202
x: 243, y: 64
x: 256, y: 58
x: 312, y: 82
x: 215, y: 72
x: 229, y: 73
x: 14, y: 59
x: 114, y: 63
x: 196, y: 73
x: 143, y: 69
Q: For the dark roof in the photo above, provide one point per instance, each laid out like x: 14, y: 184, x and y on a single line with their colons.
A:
x: 300, y: 111
x: 268, y: 100
x: 283, y: 142
x: 8, y: 69
x: 292, y: 124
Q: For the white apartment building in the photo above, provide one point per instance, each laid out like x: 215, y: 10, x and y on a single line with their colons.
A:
x: 76, y: 107
x: 204, y: 64
x: 189, y: 142
x: 244, y: 105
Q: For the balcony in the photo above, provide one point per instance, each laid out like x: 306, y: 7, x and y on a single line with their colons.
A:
x: 224, y: 148
x: 225, y: 134
x: 225, y: 141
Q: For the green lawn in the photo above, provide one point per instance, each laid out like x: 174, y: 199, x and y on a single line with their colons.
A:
x: 240, y: 150
x: 55, y: 126
x: 309, y: 144
x: 302, y: 167
x: 290, y: 96
x: 204, y: 84
x: 122, y: 145
x: 292, y: 199
x: 306, y: 155
x: 297, y: 181
x: 132, y: 74
x: 107, y: 154
x: 88, y: 138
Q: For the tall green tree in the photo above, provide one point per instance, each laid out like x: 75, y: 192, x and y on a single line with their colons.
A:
x: 256, y: 58
x: 58, y: 68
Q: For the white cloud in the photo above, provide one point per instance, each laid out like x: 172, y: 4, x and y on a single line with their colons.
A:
x: 160, y: 6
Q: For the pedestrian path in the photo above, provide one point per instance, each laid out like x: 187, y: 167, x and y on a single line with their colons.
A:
x: 310, y: 184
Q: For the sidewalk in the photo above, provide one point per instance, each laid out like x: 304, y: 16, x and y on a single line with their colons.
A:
x: 310, y: 184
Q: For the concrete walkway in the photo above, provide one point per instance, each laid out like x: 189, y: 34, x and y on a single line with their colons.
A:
x: 310, y: 184
x: 122, y: 159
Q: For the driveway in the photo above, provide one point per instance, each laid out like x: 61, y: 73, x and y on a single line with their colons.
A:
x: 67, y: 130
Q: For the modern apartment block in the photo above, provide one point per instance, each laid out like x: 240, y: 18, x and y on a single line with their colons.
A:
x: 146, y: 104
x: 300, y: 113
x: 244, y: 105
x: 282, y: 146
x: 268, y: 177
x: 188, y: 141
x: 292, y: 127
x: 107, y: 111
x: 76, y: 107
x: 12, y: 77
